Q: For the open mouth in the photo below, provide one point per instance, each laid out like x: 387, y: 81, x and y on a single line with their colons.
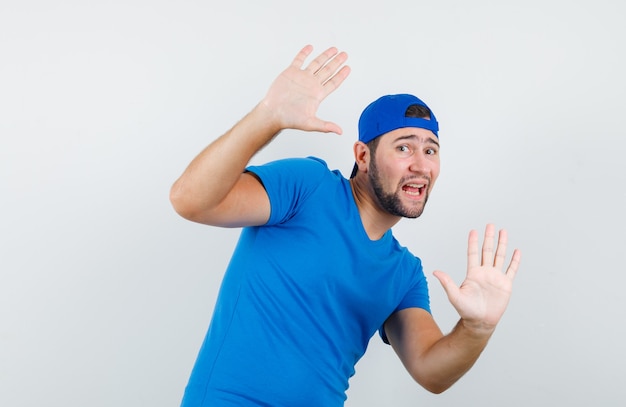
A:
x: 414, y: 189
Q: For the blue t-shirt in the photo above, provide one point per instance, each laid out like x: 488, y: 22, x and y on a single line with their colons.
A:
x: 301, y: 297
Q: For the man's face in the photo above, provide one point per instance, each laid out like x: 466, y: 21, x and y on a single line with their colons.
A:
x: 403, y: 170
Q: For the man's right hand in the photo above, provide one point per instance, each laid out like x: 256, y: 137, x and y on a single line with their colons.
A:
x: 295, y: 95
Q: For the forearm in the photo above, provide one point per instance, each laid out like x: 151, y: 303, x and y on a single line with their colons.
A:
x: 213, y: 173
x: 450, y: 357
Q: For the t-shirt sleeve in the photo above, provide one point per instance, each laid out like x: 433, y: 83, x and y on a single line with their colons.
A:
x: 288, y: 182
x: 415, y: 297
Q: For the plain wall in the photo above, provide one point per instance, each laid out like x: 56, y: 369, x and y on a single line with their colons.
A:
x: 106, y: 294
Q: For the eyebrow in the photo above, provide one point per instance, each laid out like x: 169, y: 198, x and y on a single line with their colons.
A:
x: 426, y: 140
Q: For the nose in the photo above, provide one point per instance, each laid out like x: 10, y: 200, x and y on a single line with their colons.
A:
x: 420, y: 163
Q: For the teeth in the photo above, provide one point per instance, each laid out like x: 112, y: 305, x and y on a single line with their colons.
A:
x: 413, y: 189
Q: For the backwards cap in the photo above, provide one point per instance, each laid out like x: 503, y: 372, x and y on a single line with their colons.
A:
x: 387, y: 113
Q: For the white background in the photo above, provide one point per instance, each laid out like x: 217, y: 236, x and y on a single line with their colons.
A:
x: 105, y: 293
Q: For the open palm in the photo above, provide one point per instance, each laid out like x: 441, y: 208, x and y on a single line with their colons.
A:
x: 295, y: 95
x: 483, y: 296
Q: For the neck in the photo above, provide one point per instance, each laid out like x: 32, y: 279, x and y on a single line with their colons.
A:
x: 376, y: 221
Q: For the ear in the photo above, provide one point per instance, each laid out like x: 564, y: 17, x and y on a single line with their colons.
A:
x: 362, y: 155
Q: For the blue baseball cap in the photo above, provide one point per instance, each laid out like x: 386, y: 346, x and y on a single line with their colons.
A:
x: 387, y: 113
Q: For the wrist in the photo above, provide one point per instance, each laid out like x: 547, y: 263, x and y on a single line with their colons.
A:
x: 477, y: 329
x: 269, y: 114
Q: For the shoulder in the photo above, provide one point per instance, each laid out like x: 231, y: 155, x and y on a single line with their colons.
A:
x: 403, y: 254
x: 293, y: 184
x: 297, y: 171
x: 293, y: 164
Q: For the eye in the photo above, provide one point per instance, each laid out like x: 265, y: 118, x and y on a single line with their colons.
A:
x: 431, y: 151
x: 404, y: 149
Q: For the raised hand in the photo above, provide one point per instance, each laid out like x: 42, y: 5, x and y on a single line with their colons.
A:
x: 484, y: 295
x: 295, y: 95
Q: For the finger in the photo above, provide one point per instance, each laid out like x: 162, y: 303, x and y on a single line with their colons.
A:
x: 473, y: 258
x: 331, y: 67
x: 488, y: 245
x: 321, y: 60
x: 511, y: 271
x: 336, y: 80
x: 298, y: 61
x: 501, y: 249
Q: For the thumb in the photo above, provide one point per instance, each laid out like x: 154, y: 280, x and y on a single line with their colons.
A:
x: 447, y: 283
x: 330, y: 127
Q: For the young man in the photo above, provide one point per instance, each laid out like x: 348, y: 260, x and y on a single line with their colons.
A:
x: 317, y: 270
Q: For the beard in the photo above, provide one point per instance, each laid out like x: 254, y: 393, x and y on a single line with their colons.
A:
x: 390, y: 201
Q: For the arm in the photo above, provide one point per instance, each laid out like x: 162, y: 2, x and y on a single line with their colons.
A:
x: 436, y: 361
x: 214, y: 189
